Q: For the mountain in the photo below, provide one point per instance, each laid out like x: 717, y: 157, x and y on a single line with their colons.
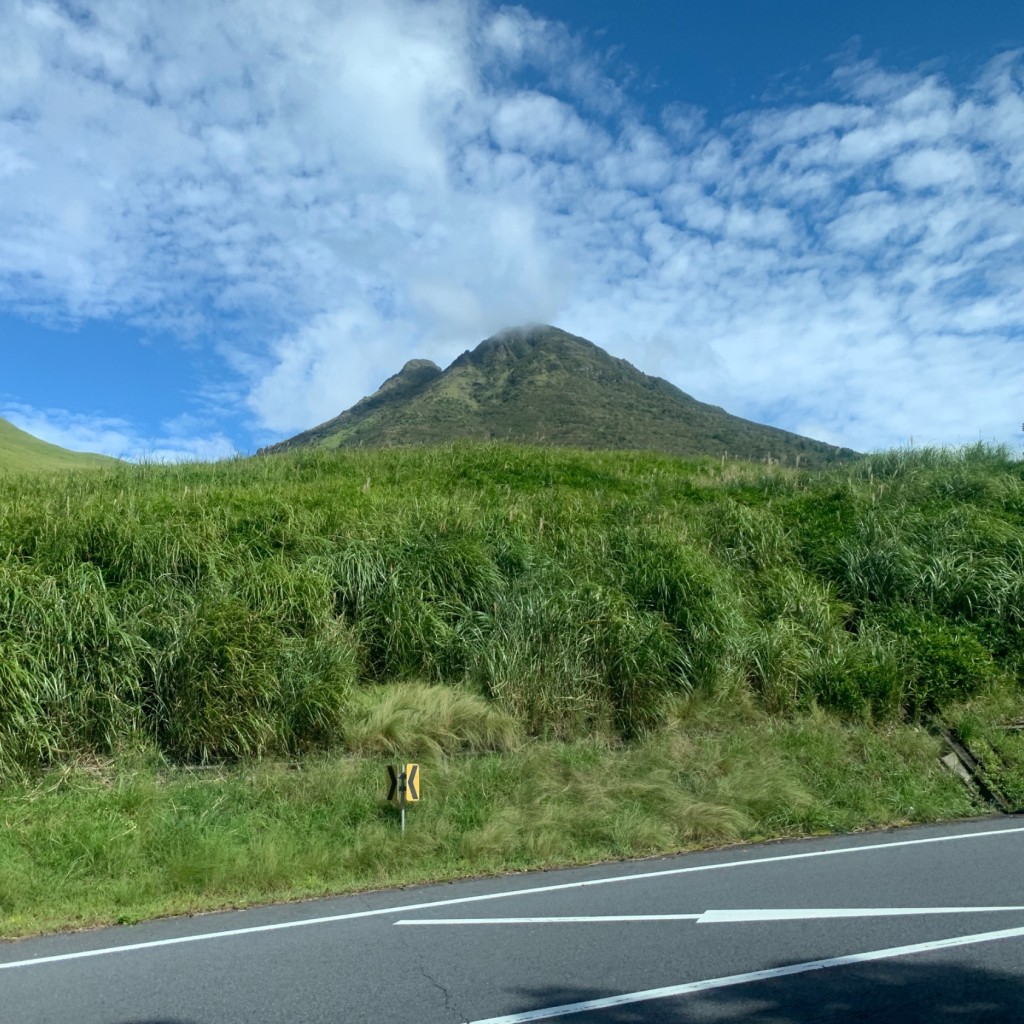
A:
x: 21, y: 451
x: 541, y: 385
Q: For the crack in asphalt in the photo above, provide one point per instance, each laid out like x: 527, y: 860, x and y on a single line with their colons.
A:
x: 449, y: 1007
x: 414, y: 953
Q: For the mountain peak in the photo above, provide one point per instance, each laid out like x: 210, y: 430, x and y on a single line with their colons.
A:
x: 538, y: 384
x: 530, y: 335
x: 419, y: 366
x: 514, y: 344
x: 415, y: 371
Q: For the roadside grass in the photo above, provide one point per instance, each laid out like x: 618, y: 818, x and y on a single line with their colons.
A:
x: 203, y: 668
x: 119, y: 842
x: 992, y: 724
x: 416, y: 720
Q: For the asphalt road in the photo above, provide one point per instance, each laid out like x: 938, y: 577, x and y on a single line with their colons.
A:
x: 923, y: 924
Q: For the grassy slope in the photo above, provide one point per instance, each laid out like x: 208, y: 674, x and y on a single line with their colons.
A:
x: 106, y: 844
x: 694, y: 652
x: 20, y: 451
x: 544, y: 386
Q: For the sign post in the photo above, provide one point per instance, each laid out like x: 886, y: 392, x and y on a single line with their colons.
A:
x: 403, y: 787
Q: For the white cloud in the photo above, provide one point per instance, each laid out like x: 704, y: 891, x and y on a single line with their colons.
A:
x: 932, y: 168
x: 350, y: 185
x: 542, y: 125
x: 333, y: 353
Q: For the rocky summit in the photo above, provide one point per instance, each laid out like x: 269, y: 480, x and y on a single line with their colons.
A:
x: 542, y: 385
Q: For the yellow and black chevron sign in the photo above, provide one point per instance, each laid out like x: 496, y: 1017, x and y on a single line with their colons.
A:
x: 404, y: 783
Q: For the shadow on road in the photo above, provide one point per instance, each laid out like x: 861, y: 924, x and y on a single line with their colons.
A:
x: 902, y: 992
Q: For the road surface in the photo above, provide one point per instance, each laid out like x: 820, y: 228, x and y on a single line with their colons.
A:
x: 922, y: 924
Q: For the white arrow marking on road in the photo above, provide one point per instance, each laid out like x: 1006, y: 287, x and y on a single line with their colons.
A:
x: 741, y: 916
x: 719, y: 916
x: 551, y: 920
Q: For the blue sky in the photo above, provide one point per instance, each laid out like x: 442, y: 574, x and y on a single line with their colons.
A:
x: 223, y: 223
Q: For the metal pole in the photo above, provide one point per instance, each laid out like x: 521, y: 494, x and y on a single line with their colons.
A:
x: 401, y: 797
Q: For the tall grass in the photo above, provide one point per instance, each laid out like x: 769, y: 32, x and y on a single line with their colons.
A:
x: 243, y: 608
x: 98, y: 843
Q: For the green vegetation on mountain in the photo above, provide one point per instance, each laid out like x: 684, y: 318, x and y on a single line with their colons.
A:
x: 20, y: 451
x: 690, y: 652
x: 540, y: 385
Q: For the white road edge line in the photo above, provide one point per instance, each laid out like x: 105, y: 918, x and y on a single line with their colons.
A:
x: 744, y: 979
x: 408, y: 908
x: 717, y: 916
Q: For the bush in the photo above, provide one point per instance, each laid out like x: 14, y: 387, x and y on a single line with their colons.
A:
x: 949, y: 663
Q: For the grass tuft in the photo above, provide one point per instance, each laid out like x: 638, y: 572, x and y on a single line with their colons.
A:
x: 417, y: 720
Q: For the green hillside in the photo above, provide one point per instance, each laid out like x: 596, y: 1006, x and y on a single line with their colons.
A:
x: 226, y: 610
x: 593, y: 655
x: 541, y: 385
x: 20, y: 451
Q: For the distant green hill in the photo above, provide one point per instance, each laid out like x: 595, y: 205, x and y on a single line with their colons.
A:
x: 541, y: 385
x: 21, y: 451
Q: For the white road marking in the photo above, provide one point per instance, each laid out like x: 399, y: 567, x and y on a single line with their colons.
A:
x: 744, y: 979
x: 748, y: 916
x: 717, y: 916
x: 381, y: 911
x: 550, y: 920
